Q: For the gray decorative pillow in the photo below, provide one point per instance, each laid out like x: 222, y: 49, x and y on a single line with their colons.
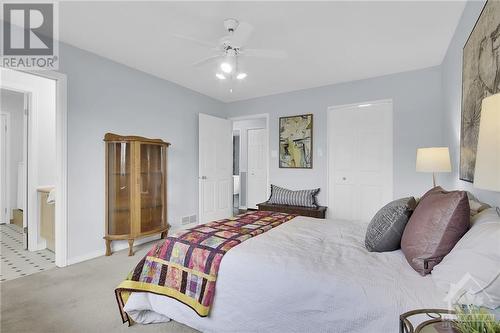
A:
x: 302, y: 198
x: 386, y: 228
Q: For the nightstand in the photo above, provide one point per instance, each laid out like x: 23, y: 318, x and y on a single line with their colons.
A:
x: 435, y: 321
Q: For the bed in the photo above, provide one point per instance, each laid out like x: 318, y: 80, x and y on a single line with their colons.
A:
x: 306, y: 275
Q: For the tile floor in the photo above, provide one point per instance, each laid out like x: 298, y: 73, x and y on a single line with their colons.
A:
x: 17, y: 262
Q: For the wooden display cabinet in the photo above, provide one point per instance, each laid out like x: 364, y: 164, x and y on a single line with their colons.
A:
x: 136, y: 188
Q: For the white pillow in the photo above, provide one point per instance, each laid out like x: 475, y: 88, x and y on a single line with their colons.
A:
x: 470, y: 273
x: 486, y: 216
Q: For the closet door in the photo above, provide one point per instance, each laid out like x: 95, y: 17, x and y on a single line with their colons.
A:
x: 360, y: 141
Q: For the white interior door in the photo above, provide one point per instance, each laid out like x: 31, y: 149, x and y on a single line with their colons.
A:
x: 215, y: 168
x: 360, y: 160
x: 4, y: 216
x: 257, y: 167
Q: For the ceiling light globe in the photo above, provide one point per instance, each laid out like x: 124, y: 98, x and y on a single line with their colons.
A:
x: 226, y: 67
x: 241, y: 76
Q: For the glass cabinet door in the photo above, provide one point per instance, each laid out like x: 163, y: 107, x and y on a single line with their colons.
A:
x: 152, y: 186
x: 118, y: 188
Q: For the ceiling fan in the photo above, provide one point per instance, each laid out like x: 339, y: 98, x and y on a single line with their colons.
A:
x: 230, y: 48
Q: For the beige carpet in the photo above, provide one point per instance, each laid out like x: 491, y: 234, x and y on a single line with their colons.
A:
x: 77, y: 298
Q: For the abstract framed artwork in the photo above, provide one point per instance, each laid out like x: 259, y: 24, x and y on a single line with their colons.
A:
x: 480, y: 78
x: 296, y: 141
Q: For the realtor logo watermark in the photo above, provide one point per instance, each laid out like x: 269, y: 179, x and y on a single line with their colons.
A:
x: 29, y: 35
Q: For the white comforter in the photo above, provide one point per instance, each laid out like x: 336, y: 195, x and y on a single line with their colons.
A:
x: 307, y: 275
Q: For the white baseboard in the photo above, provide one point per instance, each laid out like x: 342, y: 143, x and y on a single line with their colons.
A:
x: 42, y: 244
x: 115, y: 246
x: 85, y: 257
x: 175, y: 228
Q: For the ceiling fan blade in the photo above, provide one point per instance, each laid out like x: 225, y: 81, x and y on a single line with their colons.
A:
x: 206, y: 60
x: 196, y: 41
x: 264, y: 53
x: 241, y: 34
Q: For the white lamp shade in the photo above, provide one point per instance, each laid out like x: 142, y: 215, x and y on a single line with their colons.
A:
x: 487, y: 172
x: 434, y: 159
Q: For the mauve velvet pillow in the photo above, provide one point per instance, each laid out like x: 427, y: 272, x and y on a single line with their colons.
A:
x: 437, y: 224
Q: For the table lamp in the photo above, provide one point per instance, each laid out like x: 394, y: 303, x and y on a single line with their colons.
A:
x: 487, y: 171
x: 434, y: 159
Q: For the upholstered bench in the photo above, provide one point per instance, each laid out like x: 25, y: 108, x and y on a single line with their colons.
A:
x: 319, y: 212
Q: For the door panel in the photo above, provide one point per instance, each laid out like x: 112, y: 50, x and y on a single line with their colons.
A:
x: 370, y: 201
x: 257, y: 167
x: 360, y: 160
x: 215, y: 168
x: 344, y: 200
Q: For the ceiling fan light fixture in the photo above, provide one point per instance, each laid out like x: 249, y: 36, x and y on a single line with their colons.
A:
x: 220, y: 76
x: 226, y: 67
x: 241, y: 76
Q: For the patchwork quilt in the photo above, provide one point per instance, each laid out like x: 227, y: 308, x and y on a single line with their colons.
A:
x: 185, y: 265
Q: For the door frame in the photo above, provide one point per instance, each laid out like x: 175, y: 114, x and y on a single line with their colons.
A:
x: 61, y: 207
x: 250, y: 117
x: 329, y: 111
x: 5, y: 199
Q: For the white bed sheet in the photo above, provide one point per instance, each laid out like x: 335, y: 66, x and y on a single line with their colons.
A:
x: 307, y: 275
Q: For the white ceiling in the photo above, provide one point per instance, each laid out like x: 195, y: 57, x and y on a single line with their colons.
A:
x: 327, y: 42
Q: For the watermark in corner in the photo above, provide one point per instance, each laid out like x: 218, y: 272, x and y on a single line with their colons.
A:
x: 30, y: 35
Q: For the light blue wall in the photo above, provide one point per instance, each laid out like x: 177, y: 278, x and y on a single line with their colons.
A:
x: 417, y: 123
x: 452, y: 97
x: 104, y: 96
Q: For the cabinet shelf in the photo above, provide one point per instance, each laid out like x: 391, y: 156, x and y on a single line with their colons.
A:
x: 141, y: 173
x: 136, y: 195
x: 142, y: 208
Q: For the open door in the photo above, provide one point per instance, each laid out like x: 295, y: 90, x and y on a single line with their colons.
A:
x: 215, y: 176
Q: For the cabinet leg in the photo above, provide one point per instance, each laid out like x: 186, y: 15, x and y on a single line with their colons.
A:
x: 108, y: 247
x: 130, y: 247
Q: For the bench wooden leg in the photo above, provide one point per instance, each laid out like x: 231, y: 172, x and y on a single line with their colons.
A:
x: 130, y: 247
x: 108, y: 247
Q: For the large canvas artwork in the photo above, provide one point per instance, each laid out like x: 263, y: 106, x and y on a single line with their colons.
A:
x: 296, y: 138
x: 481, y: 78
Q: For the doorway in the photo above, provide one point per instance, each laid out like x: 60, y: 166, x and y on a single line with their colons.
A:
x: 236, y: 171
x: 360, y: 159
x: 16, y: 261
x: 223, y: 164
x: 12, y: 148
x: 253, y: 163
x: 41, y: 175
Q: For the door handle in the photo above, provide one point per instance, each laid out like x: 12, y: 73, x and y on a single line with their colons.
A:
x: 202, y: 177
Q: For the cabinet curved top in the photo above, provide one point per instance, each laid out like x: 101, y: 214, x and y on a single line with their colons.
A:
x: 110, y: 137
